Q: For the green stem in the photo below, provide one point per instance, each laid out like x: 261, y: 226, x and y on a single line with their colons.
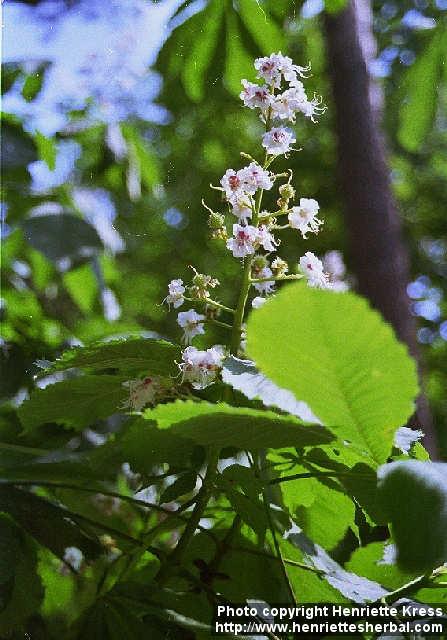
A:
x: 176, y: 557
x: 293, y: 276
x: 211, y: 303
x: 240, y: 309
x: 218, y: 323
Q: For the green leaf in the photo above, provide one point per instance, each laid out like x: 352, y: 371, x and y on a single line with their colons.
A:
x: 132, y: 356
x: 243, y: 376
x: 224, y: 426
x: 238, y: 62
x: 251, y: 512
x: 267, y: 35
x: 328, y: 506
x: 82, y: 286
x: 20, y: 587
x: 350, y: 585
x: 46, y: 149
x: 46, y: 522
x: 335, y: 6
x: 142, y: 445
x: 413, y: 496
x: 144, y: 156
x: 33, y: 83
x: 369, y: 562
x: 418, y: 105
x: 337, y: 355
x: 62, y: 236
x: 201, y: 54
x: 182, y: 485
x: 76, y: 403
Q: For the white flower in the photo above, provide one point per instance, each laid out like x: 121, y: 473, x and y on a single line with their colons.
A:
x: 286, y: 104
x: 242, y: 243
x: 255, y: 177
x: 232, y: 185
x: 266, y: 239
x: 264, y: 287
x: 141, y: 392
x: 74, y: 557
x: 268, y: 69
x: 304, y: 218
x: 257, y: 302
x: 192, y: 324
x: 175, y: 295
x: 254, y: 96
x: 312, y: 268
x: 200, y: 368
x: 290, y: 71
x: 278, y: 140
x: 242, y: 209
x: 405, y: 438
x: 312, y: 108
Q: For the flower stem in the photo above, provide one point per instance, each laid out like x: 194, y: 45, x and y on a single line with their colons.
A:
x: 211, y: 303
x: 293, y: 276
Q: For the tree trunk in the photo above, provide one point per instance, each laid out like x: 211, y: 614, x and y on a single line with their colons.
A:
x: 380, y: 257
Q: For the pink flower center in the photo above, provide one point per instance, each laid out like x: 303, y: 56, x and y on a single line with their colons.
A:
x: 234, y: 182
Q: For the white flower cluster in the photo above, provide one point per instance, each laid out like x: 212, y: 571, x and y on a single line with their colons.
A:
x: 200, y: 368
x: 142, y: 391
x: 277, y: 70
x: 279, y: 99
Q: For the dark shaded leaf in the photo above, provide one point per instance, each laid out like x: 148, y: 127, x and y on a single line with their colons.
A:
x: 62, y: 236
x: 76, y: 403
x: 413, y: 496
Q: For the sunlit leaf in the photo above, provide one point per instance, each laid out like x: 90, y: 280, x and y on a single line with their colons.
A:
x: 336, y: 354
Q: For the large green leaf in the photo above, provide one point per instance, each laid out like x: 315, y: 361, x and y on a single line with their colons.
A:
x: 201, y: 54
x: 225, y: 426
x: 238, y: 62
x: 369, y: 561
x: 76, y: 403
x: 134, y: 355
x: 413, y: 495
x: 20, y: 587
x: 48, y: 523
x: 418, y: 107
x: 337, y: 355
x: 62, y: 236
x: 267, y: 35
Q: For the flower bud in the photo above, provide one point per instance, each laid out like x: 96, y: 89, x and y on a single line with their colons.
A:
x: 259, y: 263
x: 216, y: 221
x: 287, y: 191
x: 201, y: 284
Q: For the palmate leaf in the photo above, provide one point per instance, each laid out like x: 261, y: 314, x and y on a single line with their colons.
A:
x: 202, y: 52
x: 413, y: 496
x: 221, y: 425
x: 134, y: 356
x: 337, y: 355
x: 75, y: 403
x: 62, y: 236
x: 418, y: 105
